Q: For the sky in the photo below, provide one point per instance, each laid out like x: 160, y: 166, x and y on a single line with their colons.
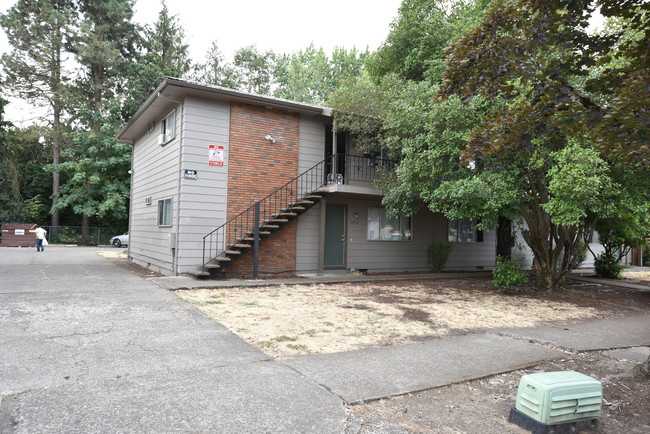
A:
x: 284, y: 26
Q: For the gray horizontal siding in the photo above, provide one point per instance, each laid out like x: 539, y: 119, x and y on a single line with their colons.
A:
x: 203, y: 201
x: 311, y: 135
x: 154, y: 175
x: 378, y: 256
x: 307, y: 240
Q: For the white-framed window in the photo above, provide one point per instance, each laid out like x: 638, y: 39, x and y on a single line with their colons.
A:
x: 165, y: 212
x: 168, y: 127
x: 463, y: 231
x: 381, y: 227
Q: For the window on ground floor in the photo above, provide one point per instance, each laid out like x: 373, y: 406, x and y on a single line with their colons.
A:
x: 381, y: 227
x: 464, y: 231
x: 165, y: 212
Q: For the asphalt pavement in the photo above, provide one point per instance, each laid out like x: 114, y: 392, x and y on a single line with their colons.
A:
x: 86, y: 346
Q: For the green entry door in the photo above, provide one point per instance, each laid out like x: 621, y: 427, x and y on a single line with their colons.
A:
x: 334, y: 236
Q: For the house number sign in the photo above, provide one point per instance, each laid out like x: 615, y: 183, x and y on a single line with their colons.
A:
x: 191, y: 174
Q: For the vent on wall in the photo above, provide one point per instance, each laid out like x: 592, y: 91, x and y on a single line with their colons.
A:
x: 147, y: 200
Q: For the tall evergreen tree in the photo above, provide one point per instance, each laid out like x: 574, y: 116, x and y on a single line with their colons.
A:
x: 215, y: 70
x: 35, y: 69
x: 162, y: 52
x: 103, y: 47
x: 167, y: 46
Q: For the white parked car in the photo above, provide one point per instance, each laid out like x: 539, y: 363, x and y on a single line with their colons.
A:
x: 120, y: 240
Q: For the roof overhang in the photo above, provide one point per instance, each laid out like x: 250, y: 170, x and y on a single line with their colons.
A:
x: 173, y: 91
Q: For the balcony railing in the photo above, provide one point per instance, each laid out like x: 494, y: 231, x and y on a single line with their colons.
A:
x: 279, y: 206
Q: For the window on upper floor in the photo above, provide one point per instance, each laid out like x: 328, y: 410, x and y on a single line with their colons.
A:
x: 168, y: 128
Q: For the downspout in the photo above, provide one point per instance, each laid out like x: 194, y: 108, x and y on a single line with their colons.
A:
x: 128, y: 250
x: 181, y: 142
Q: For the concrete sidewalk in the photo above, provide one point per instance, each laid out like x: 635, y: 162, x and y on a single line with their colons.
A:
x: 89, y: 347
x: 188, y: 282
x: 373, y: 373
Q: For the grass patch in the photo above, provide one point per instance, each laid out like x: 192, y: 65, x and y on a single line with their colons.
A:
x: 266, y: 344
x: 285, y: 338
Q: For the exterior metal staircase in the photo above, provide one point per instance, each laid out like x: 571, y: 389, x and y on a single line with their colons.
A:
x: 246, y: 230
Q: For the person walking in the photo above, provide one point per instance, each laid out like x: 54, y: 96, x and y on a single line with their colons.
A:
x: 40, y: 236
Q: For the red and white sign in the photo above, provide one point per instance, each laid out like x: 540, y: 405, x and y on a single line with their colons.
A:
x: 216, y: 155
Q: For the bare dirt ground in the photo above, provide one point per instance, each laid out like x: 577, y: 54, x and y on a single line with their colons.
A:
x: 289, y: 321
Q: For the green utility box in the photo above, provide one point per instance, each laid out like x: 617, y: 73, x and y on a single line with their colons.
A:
x: 551, y: 401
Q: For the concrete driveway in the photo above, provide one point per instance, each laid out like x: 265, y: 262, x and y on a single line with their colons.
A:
x: 86, y: 346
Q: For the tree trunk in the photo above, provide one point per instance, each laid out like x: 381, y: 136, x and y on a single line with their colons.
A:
x: 56, y: 176
x: 85, y: 229
x: 57, y: 105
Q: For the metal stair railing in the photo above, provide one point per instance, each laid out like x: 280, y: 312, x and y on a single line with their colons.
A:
x: 246, y: 225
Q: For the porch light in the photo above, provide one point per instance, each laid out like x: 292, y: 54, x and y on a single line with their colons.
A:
x: 269, y: 138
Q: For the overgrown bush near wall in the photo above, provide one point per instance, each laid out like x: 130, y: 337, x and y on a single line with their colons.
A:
x: 438, y: 254
x: 507, y: 275
x: 607, y: 266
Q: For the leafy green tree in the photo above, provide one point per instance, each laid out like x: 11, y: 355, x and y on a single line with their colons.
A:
x: 11, y: 208
x: 105, y: 44
x: 419, y: 35
x: 35, y: 68
x: 97, y: 183
x: 306, y: 76
x: 311, y: 76
x: 24, y: 188
x: 254, y: 69
x: 215, y: 70
x: 510, y: 131
x: 537, y: 143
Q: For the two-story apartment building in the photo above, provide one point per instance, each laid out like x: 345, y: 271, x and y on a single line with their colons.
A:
x: 204, y: 156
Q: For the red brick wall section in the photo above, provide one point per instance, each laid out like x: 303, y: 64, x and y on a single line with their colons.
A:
x: 256, y: 168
